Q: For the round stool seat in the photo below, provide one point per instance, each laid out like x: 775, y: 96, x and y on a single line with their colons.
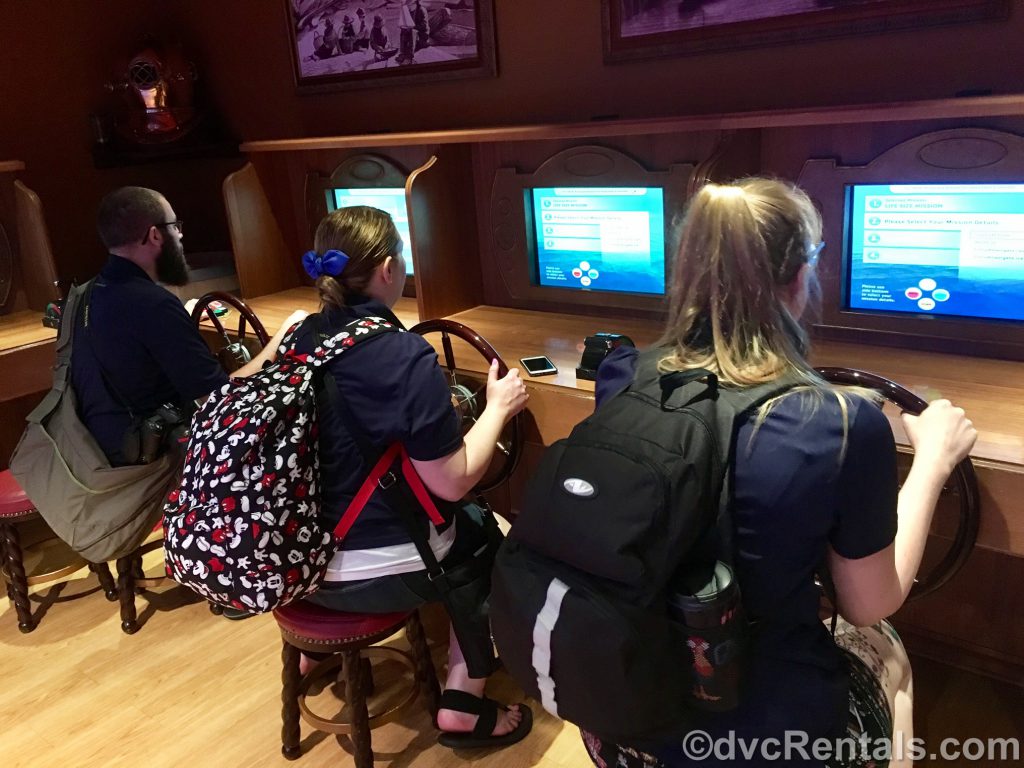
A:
x: 14, y: 502
x: 322, y: 625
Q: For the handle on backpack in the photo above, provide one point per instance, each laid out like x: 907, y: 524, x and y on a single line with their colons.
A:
x: 670, y: 382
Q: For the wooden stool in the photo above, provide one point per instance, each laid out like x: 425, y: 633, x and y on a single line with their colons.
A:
x: 132, y: 580
x: 51, y: 559
x: 308, y: 627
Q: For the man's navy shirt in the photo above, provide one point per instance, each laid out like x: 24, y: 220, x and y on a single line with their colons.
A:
x: 795, y: 493
x: 146, y: 344
x: 396, y: 391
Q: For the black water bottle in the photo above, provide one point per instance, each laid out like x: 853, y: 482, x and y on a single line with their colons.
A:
x: 715, y: 627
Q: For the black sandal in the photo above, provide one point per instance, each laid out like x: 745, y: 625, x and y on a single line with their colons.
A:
x: 487, y: 716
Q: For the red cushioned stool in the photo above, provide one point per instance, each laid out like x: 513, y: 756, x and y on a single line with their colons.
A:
x: 308, y: 627
x: 50, y: 559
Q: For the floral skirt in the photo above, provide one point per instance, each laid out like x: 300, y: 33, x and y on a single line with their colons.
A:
x: 878, y: 668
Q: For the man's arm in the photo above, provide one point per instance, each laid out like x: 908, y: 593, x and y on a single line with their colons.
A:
x: 175, y: 343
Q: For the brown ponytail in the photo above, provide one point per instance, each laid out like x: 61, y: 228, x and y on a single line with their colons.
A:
x: 368, y: 236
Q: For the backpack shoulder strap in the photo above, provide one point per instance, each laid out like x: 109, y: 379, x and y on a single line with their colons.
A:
x: 73, y: 306
x: 403, y: 490
x: 62, y: 366
x: 734, y: 406
x: 358, y: 331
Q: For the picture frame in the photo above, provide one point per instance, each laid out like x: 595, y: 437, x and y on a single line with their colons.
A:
x: 639, y: 29
x: 346, y: 44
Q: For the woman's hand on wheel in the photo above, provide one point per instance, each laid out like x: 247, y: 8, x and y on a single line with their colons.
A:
x: 942, y: 434
x: 508, y: 395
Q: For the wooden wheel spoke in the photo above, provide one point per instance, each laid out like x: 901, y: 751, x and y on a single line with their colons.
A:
x: 449, y: 354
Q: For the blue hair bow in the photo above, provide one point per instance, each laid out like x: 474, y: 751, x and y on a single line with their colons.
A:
x: 331, y: 263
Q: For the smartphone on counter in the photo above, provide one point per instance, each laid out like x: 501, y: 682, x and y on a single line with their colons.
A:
x: 538, y: 366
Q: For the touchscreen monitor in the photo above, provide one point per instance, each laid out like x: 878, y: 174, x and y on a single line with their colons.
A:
x: 599, y: 238
x: 948, y: 250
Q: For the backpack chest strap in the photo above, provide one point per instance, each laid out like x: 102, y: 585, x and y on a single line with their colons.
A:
x: 382, y: 476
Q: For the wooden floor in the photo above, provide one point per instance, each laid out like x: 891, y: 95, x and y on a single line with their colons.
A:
x: 195, y: 690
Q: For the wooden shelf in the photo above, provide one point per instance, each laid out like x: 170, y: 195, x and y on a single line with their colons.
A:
x: 11, y: 166
x: 120, y: 155
x: 935, y: 109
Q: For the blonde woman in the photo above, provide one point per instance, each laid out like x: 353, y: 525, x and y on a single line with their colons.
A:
x: 815, y: 480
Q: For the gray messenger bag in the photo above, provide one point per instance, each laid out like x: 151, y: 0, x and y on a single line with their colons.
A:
x: 101, y: 512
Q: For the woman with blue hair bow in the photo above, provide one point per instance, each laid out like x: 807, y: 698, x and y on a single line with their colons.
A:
x: 391, y: 389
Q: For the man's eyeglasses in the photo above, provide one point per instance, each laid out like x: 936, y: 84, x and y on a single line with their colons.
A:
x: 814, y: 253
x: 178, y: 224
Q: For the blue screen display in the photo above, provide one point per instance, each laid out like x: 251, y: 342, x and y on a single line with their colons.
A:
x: 600, y: 238
x: 390, y: 200
x: 936, y: 249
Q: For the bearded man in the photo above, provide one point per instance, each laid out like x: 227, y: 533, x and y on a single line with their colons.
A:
x: 135, y: 347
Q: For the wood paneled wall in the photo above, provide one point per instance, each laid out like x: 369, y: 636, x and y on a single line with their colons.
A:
x: 550, y: 70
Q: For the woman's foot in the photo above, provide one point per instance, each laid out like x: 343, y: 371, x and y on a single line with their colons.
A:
x: 469, y: 721
x: 308, y: 660
x: 453, y: 721
x: 236, y: 614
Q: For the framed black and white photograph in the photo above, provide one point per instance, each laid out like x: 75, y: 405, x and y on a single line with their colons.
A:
x: 339, y: 44
x: 635, y: 29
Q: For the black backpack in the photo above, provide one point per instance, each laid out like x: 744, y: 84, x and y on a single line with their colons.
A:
x: 614, y: 519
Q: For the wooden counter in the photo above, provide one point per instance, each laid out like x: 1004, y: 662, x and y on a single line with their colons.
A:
x: 274, y: 309
x: 27, y: 350
x: 991, y: 391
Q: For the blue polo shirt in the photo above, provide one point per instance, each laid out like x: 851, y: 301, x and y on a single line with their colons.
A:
x: 793, y: 498
x: 146, y: 344
x: 396, y: 391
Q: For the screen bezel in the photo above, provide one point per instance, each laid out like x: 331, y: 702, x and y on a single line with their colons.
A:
x: 948, y: 156
x: 533, y: 250
x: 508, y: 262
x: 847, y: 259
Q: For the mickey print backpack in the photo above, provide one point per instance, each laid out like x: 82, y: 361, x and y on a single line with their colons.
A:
x: 241, y: 530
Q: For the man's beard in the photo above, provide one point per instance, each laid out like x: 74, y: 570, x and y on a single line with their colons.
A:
x: 171, y: 267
